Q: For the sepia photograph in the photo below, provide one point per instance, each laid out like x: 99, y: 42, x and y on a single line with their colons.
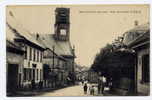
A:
x: 77, y: 50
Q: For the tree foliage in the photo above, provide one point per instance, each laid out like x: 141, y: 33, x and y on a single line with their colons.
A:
x: 103, y: 59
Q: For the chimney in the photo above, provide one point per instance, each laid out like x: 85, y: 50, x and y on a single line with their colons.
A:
x: 37, y: 36
x: 136, y: 23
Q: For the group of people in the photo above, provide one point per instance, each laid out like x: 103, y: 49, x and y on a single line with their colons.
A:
x: 92, y: 88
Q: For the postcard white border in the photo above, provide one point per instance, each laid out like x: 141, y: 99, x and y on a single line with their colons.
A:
x: 4, y: 3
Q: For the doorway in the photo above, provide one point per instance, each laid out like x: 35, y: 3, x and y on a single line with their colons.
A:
x: 145, y: 69
x: 12, y: 77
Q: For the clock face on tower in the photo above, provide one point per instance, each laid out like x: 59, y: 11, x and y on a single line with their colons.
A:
x: 63, y: 32
x: 62, y: 23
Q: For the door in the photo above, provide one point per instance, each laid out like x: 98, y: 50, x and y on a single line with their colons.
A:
x: 12, y: 77
x: 145, y: 69
x: 34, y: 74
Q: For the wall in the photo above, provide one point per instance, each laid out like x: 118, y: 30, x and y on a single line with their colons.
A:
x: 12, y: 58
x: 142, y: 88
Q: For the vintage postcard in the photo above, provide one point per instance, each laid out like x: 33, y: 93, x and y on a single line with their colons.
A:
x: 78, y: 50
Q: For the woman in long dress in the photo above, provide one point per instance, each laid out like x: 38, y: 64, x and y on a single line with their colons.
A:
x: 85, y: 88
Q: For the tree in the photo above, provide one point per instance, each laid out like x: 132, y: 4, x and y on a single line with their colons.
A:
x: 99, y: 62
x: 102, y: 58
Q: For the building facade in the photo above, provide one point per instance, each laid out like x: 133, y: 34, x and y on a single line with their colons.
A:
x: 138, y: 39
x: 14, y: 65
x: 32, y: 69
x: 60, y: 46
x: 92, y: 76
x: 54, y: 69
x: 47, y: 60
x: 33, y: 66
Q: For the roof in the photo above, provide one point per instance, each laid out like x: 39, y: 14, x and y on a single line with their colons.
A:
x: 15, y: 25
x: 10, y: 44
x: 10, y: 39
x: 141, y: 40
x: 10, y: 35
x: 136, y: 33
x: 140, y: 28
x: 62, y: 48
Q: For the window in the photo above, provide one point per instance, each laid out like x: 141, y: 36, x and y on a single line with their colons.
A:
x: 34, y: 72
x: 25, y: 54
x: 30, y: 53
x: 30, y: 74
x: 37, y: 74
x: 37, y: 56
x: 41, y: 57
x: 33, y: 54
x: 40, y: 74
x: 25, y: 74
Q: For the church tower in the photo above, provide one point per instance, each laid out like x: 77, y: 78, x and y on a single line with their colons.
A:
x: 62, y: 24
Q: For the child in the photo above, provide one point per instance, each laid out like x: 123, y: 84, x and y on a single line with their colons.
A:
x: 92, y: 90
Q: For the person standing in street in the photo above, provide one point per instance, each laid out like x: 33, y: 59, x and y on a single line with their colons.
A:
x: 85, y: 87
x: 99, y: 85
x: 82, y: 82
x: 92, y: 89
x: 103, y: 83
x: 99, y: 88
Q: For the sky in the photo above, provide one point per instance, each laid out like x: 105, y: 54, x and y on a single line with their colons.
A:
x: 91, y: 26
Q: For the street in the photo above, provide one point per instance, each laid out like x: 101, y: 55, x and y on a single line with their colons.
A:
x: 76, y: 90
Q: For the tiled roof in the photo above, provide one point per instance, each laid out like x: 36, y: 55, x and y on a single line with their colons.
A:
x: 14, y: 24
x: 61, y: 47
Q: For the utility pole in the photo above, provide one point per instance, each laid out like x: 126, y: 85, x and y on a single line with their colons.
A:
x: 54, y: 83
x: 53, y: 55
x: 73, y: 65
